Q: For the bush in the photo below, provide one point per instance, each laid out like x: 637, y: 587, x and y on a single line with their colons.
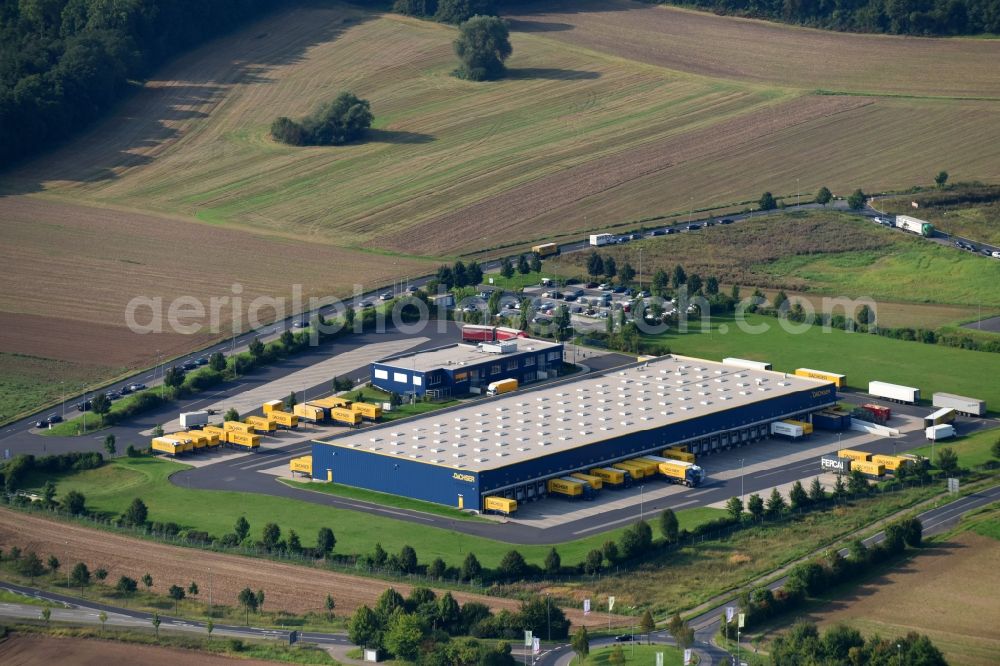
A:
x: 459, y: 11
x: 335, y: 123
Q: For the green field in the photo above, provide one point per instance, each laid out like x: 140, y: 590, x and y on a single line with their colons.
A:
x: 372, y: 394
x: 862, y: 357
x: 972, y: 450
x: 28, y: 382
x: 634, y: 654
x: 110, y: 489
x: 384, y: 499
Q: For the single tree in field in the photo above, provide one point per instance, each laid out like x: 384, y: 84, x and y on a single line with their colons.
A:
x: 506, y: 268
x: 75, y: 503
x: 595, y: 265
x: 816, y: 492
x: 155, y: 621
x: 173, y: 377
x: 856, y: 200
x: 126, y: 587
x: 839, y: 488
x: 669, y: 527
x: 553, y: 562
x: 193, y: 589
x: 798, y: 497
x: 581, y: 643
x: 31, y: 566
x: 176, y: 592
x: 767, y: 201
x: 627, y: 273
x: 241, y: 529
x: 54, y: 563
x: 256, y: 348
x: 248, y: 600
x: 947, y: 460
x: 217, y: 361
x: 49, y: 494
x: 109, y: 445
x: 329, y: 605
x: 941, y: 178
x: 735, y: 508
x: 80, y: 576
x: 147, y: 580
x: 775, y: 504
x: 100, y: 573
x: 325, y: 541
x: 260, y: 600
x: 103, y: 617
x: 46, y: 615
x: 755, y: 505
x: 482, y: 47
x: 610, y: 267
x: 136, y: 514
x: 823, y: 196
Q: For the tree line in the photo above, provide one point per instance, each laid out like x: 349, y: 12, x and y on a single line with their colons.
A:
x: 63, y: 63
x: 899, y: 17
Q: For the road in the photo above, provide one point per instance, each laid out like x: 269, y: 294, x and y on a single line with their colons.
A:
x: 245, y: 474
x: 706, y: 624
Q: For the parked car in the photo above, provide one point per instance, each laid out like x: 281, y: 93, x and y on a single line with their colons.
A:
x: 137, y: 386
x: 387, y: 296
x: 366, y: 304
x: 710, y: 223
x: 643, y: 294
x: 125, y: 390
x: 54, y: 418
x: 569, y: 298
x: 412, y: 289
x: 635, y: 237
x: 604, y: 286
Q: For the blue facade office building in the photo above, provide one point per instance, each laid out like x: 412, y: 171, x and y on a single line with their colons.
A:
x: 512, y: 444
x: 460, y: 369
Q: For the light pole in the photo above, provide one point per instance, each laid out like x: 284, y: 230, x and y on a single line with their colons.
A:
x: 640, y: 501
x: 741, y: 480
x: 899, y: 654
x: 62, y: 386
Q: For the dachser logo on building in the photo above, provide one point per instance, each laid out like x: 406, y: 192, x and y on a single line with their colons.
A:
x: 464, y: 477
x: 820, y: 393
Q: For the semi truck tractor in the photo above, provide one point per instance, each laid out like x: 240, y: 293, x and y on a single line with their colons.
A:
x: 501, y: 387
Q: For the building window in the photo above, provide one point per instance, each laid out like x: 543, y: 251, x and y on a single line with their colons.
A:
x: 381, y: 374
x: 529, y: 361
x: 417, y: 380
x: 555, y: 355
x: 433, y: 379
x: 495, y: 369
x: 512, y: 364
x: 400, y: 377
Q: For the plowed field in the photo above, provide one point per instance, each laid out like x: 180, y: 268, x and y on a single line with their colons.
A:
x: 287, y: 587
x: 45, y: 650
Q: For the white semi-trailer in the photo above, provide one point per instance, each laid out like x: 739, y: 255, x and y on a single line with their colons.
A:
x: 914, y: 225
x: 598, y: 240
x: 894, y: 392
x: 939, y: 432
x: 789, y: 430
x: 961, y: 404
x: 745, y: 363
x: 193, y: 419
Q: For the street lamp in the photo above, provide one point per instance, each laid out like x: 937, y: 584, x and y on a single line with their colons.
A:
x: 741, y: 480
x: 640, y: 501
x: 899, y: 654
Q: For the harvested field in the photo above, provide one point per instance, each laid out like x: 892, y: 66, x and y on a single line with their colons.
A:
x: 28, y: 381
x: 46, y: 650
x: 758, y: 51
x: 938, y: 592
x: 292, y: 588
x: 103, y: 259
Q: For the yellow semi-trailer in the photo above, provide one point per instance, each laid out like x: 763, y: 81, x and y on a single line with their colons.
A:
x: 209, y: 439
x: 309, y: 413
x: 284, y: 419
x: 840, y: 381
x: 217, y: 431
x: 345, y: 416
x: 891, y: 463
x: 612, y: 478
x: 678, y: 471
x: 501, y: 387
x: 274, y: 406
x: 595, y: 482
x: 302, y: 465
x: 677, y: 454
x: 367, y: 410
x: 545, y: 250
x: 243, y: 440
x: 236, y: 426
x: 169, y: 445
x: 635, y: 471
x: 860, y: 456
x: 331, y: 402
x: 648, y: 463
x: 198, y: 442
x: 868, y: 468
x: 565, y: 488
x: 503, y: 505
x: 807, y: 428
x: 261, y: 423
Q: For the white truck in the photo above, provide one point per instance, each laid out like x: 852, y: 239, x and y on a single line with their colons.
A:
x: 789, y: 430
x: 961, y: 404
x: 894, y: 392
x: 914, y: 225
x: 194, y: 419
x: 597, y: 240
x: 940, y: 432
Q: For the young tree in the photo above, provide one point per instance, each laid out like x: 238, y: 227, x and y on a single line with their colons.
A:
x: 471, y: 568
x: 947, y: 460
x: 856, y: 200
x: 823, y: 196
x: 408, y: 559
x: 329, y: 605
x: 100, y: 573
x: 627, y: 273
x: 680, y: 277
x: 474, y: 273
x: 176, y: 592
x: 291, y: 400
x: 193, y: 589
x: 735, y: 508
x: 536, y: 264
x: 248, y: 600
x: 522, y: 265
x: 839, y: 488
x: 136, y: 514
x: 694, y: 283
x: 595, y: 265
x: 126, y: 587
x: 669, y: 526
x: 231, y: 415
x: 941, y: 178
x: 31, y: 566
x: 798, y: 497
x: 661, y: 281
x: 553, y: 563
x: 241, y: 529
x: 857, y: 484
x: 482, y: 46
x: 593, y: 562
x: 294, y: 543
x: 610, y: 267
x: 646, y: 624
x: 775, y: 504
x: 506, y: 268
x: 365, y: 627
x: 617, y: 656
x: 103, y: 617
x: 581, y: 643
x: 53, y: 564
x: 270, y: 536
x: 260, y: 600
x: 109, y: 445
x: 46, y: 614
x: 147, y: 580
x: 80, y: 576
x: 712, y: 285
x: 101, y: 405
x: 610, y: 551
x: 404, y: 636
x: 379, y: 556
x: 755, y: 505
x: 209, y: 627
x: 173, y: 377
x: 767, y: 201
x: 512, y: 566
x: 49, y: 494
x: 217, y: 361
x: 437, y: 569
x: 816, y: 492
x: 256, y: 348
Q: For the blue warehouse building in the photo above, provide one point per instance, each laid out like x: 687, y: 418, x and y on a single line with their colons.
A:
x: 460, y: 369
x: 511, y: 445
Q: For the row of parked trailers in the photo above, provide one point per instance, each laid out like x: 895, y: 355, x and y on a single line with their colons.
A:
x: 234, y: 434
x: 336, y: 409
x: 874, y: 466
x: 675, y: 465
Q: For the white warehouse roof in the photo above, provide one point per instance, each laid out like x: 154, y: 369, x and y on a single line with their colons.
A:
x: 526, y: 424
x: 458, y: 354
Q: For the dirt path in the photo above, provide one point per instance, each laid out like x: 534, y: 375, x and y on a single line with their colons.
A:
x: 288, y: 587
x: 47, y: 650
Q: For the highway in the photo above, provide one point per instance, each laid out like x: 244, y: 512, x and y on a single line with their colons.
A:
x: 706, y: 623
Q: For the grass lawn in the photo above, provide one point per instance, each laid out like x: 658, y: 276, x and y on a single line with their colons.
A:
x: 972, y: 450
x: 384, y: 499
x: 861, y: 357
x: 8, y: 597
x: 110, y: 489
x: 517, y: 281
x: 634, y: 654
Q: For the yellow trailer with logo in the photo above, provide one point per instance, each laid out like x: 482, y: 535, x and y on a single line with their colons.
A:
x: 284, y: 419
x: 868, y: 468
x: 240, y: 440
x: 565, y: 487
x: 196, y: 440
x: 274, y: 406
x: 331, y: 402
x: 649, y: 466
x: 807, y: 428
x: 262, y: 423
x: 891, y: 463
x: 677, y: 454
x: 237, y: 426
x: 635, y: 471
x: 502, y: 505
x: 345, y: 416
x: 309, y: 413
x: 594, y: 482
x: 840, y: 381
x: 302, y: 465
x: 169, y: 445
x: 612, y: 478
x: 367, y: 410
x: 860, y: 456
